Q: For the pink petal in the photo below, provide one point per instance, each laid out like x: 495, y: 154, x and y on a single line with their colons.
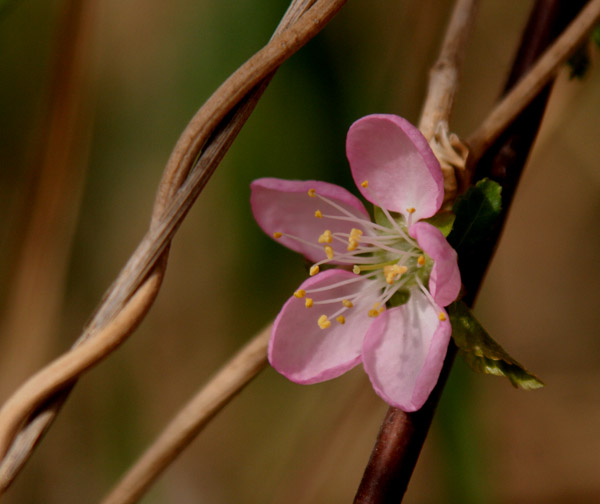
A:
x: 396, y: 160
x: 303, y: 352
x: 404, y: 350
x: 284, y: 206
x: 444, y: 282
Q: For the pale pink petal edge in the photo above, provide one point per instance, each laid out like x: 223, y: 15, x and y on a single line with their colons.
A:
x: 424, y: 150
x: 444, y: 282
x: 333, y: 191
x: 430, y: 372
x: 327, y: 374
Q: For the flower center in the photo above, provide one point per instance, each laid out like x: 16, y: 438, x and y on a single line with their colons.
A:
x: 386, y: 261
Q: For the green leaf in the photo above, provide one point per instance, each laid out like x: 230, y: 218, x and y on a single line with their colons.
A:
x: 443, y: 221
x: 482, y: 353
x: 477, y: 212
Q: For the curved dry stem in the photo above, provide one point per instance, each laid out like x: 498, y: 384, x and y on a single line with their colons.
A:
x: 528, y: 88
x: 444, y: 77
x: 49, y: 380
x: 176, y: 194
x: 444, y: 80
x: 191, y: 419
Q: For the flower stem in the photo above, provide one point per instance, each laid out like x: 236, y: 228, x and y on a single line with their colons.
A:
x: 402, y: 435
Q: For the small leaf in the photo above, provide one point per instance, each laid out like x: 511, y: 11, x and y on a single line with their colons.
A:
x: 482, y: 353
x: 477, y: 212
x: 443, y: 221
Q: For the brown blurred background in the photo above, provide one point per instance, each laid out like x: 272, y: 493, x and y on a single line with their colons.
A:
x: 82, y: 147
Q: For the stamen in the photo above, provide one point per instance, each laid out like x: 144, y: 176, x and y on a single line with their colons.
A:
x: 357, y: 269
x: 329, y: 252
x: 365, y: 184
x: 292, y: 237
x: 326, y: 237
x: 323, y: 322
x: 411, y: 210
x: 312, y: 193
x: 342, y: 283
x: 352, y: 245
x: 308, y: 302
x: 353, y: 239
x: 375, y: 311
x: 314, y: 270
x: 300, y: 293
x: 430, y: 298
x: 318, y: 214
x: 347, y: 303
x: 393, y: 273
x: 341, y: 319
x: 421, y: 260
x: 387, y: 214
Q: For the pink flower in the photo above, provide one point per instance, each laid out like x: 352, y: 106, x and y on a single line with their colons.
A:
x: 338, y: 318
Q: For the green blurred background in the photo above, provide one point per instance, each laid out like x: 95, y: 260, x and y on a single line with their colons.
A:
x: 143, y: 68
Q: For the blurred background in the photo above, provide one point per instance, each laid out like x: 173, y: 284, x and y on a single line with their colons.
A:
x: 93, y: 96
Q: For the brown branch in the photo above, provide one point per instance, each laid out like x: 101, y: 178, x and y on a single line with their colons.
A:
x: 534, y: 81
x: 195, y: 157
x: 402, y: 434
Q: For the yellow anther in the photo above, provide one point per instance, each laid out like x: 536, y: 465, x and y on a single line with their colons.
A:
x: 300, y: 293
x: 393, y: 272
x: 312, y: 193
x: 365, y: 184
x: 341, y: 319
x: 442, y: 316
x: 354, y: 239
x: 277, y: 235
x: 347, y: 303
x: 329, y: 252
x: 356, y: 269
x: 421, y: 260
x: 411, y: 210
x: 318, y: 214
x: 323, y: 322
x: 314, y: 270
x: 326, y: 237
x: 308, y: 302
x: 375, y: 311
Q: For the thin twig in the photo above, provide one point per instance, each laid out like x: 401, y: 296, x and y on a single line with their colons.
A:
x: 529, y: 87
x: 191, y: 419
x: 444, y: 77
x: 210, y: 132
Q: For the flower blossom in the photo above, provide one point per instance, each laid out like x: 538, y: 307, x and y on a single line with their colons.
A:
x: 383, y: 304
